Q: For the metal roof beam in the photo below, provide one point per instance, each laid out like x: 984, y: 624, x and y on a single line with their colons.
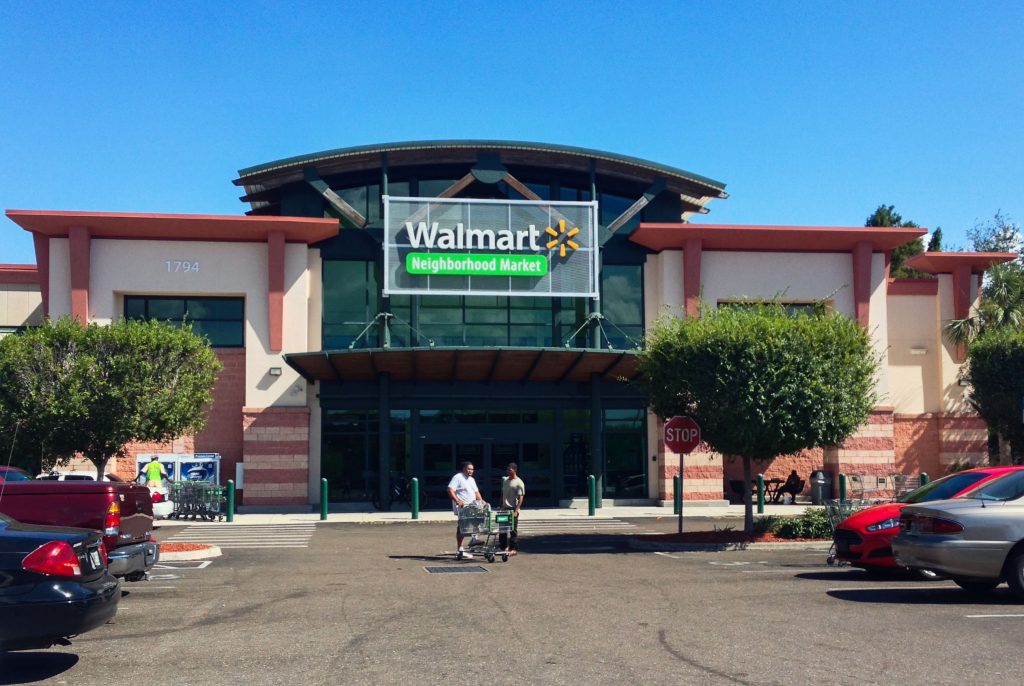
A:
x: 333, y: 199
x: 657, y: 187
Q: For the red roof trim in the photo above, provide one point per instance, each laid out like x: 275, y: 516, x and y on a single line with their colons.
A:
x: 947, y: 262
x: 673, y: 236
x: 134, y: 226
x: 913, y: 287
x: 19, y: 273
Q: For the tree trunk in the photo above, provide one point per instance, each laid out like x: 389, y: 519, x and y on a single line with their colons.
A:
x: 1005, y: 452
x: 101, y: 465
x: 748, y: 505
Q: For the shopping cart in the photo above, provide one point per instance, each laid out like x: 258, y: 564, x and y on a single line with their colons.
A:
x: 197, y: 500
x: 484, y: 526
x: 836, y: 511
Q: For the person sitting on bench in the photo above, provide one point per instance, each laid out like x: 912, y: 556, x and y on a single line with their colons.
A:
x: 794, y: 485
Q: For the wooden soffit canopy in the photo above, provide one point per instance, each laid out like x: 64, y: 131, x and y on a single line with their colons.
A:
x: 947, y: 262
x: 480, y: 365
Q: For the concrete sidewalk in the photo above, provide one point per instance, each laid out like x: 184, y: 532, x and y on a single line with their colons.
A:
x: 304, y: 516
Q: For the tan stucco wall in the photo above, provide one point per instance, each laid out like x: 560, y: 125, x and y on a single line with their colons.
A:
x: 952, y: 394
x: 135, y: 267
x: 915, y: 349
x: 20, y: 305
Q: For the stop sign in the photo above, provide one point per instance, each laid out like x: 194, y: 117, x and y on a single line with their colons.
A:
x: 682, y: 435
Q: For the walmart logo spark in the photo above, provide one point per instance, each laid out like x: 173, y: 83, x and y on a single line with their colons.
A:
x: 562, y: 238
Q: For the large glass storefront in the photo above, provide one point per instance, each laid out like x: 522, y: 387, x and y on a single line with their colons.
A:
x: 551, y: 446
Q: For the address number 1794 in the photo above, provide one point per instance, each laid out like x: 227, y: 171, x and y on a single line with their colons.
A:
x: 187, y: 266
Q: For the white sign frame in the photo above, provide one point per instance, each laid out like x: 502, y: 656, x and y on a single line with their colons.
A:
x: 549, y: 206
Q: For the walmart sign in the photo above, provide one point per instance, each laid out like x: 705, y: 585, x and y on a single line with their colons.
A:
x: 490, y: 247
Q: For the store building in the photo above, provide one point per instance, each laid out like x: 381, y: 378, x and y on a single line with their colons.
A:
x: 396, y: 309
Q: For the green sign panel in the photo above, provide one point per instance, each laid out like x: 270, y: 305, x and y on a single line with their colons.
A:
x: 466, y: 264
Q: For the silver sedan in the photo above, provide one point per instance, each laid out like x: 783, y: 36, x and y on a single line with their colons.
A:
x: 976, y: 539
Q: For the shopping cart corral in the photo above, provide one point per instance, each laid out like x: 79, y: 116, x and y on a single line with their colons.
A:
x: 197, y: 500
x: 837, y: 511
x: 484, y: 526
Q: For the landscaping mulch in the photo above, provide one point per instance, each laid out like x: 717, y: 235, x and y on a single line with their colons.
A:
x: 173, y: 547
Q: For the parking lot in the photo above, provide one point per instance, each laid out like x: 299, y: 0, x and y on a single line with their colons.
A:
x: 354, y: 604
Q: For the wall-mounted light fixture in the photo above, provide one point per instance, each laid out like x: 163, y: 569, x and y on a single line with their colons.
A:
x: 275, y: 371
x: 917, y: 350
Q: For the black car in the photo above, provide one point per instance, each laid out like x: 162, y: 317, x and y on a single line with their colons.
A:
x: 54, y: 584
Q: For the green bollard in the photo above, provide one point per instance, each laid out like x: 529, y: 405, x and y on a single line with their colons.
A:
x: 231, y: 500
x: 591, y: 495
x: 677, y: 494
x: 760, y: 494
x: 842, y: 487
x: 323, y: 499
x: 925, y: 478
x: 414, y: 494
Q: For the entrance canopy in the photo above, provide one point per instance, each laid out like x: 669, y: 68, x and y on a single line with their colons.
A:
x: 482, y: 365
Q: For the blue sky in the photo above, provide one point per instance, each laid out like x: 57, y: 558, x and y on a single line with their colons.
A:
x: 811, y: 113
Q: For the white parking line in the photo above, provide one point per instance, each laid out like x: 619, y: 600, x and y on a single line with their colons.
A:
x: 993, y: 616
x: 888, y: 588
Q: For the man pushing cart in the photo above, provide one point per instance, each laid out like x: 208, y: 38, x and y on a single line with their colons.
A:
x: 463, y: 491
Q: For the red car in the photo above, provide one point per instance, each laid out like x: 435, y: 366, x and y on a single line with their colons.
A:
x: 864, y: 539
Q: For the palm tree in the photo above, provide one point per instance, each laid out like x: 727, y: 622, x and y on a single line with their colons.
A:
x: 1001, y: 307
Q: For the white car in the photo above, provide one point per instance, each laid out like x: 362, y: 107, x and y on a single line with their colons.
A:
x: 163, y: 506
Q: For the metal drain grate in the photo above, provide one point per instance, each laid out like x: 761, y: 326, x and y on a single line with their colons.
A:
x: 461, y: 569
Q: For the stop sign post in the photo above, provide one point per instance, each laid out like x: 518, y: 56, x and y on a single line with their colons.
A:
x: 682, y: 435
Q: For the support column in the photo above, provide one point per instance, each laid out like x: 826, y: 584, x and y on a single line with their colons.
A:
x: 862, y: 283
x: 691, y: 276
x: 80, y: 261
x: 275, y: 289
x: 962, y: 302
x: 384, y: 435
x: 42, y: 246
x: 596, y: 436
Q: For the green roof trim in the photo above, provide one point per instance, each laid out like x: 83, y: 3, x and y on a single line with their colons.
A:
x: 313, y: 158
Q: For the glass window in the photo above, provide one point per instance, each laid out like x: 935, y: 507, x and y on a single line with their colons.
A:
x: 622, y: 304
x: 220, y: 320
x: 350, y: 303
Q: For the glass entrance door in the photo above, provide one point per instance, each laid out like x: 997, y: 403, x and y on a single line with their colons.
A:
x: 441, y: 459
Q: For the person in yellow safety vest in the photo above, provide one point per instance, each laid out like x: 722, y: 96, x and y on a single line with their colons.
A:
x: 154, y: 473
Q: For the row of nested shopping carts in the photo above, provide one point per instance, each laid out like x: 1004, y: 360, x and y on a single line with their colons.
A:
x: 198, y: 500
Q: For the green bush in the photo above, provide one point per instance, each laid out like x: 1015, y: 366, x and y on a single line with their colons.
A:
x: 812, y: 524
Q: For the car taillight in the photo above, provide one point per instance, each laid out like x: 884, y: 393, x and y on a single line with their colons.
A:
x: 929, y: 525
x: 56, y: 558
x: 112, y: 521
x: 103, y: 554
x: 158, y: 497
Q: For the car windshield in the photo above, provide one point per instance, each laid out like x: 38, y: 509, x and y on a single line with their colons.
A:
x: 1007, y: 487
x: 941, y: 489
x: 13, y: 475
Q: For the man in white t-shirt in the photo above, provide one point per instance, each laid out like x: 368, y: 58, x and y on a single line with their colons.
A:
x: 462, y: 490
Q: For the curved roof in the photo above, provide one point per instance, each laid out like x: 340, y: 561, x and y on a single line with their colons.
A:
x: 262, y: 182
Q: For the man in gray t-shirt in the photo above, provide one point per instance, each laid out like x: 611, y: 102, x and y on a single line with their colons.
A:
x: 513, y: 492
x: 462, y: 491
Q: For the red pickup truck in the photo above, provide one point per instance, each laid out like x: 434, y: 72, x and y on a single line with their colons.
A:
x: 121, y: 511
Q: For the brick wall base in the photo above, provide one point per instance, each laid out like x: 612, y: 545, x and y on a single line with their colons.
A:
x: 276, y: 455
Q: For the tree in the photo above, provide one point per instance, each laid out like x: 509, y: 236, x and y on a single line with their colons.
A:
x: 999, y: 313
x: 996, y: 373
x: 762, y: 382
x: 935, y: 242
x: 887, y: 216
x: 1000, y: 234
x: 94, y: 389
